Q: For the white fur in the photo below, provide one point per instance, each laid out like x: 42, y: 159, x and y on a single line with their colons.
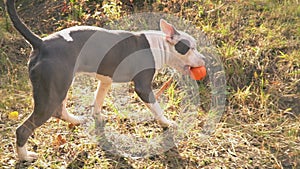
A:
x: 65, y: 115
x: 158, y: 47
x: 23, y: 154
x: 66, y: 35
x: 159, y: 116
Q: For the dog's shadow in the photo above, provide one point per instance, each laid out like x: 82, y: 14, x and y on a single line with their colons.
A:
x: 171, y: 157
x: 105, y: 145
x: 22, y: 164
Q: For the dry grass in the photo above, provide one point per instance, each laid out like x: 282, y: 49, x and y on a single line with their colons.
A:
x: 259, y: 46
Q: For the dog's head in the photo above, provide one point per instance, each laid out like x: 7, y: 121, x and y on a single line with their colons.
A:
x: 183, y: 49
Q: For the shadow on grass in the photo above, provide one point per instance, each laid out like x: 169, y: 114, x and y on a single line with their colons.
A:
x: 170, y: 158
x: 115, y: 159
x: 22, y: 164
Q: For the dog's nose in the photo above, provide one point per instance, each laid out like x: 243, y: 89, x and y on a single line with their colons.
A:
x: 203, y: 62
x: 202, y: 59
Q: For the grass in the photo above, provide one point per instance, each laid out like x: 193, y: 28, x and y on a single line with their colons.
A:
x: 259, y: 45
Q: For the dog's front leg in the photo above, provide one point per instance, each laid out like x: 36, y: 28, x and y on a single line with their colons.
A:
x: 102, y: 90
x: 143, y: 88
x: 159, y: 116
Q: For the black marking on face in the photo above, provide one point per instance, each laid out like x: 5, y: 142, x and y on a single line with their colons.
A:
x: 183, y: 46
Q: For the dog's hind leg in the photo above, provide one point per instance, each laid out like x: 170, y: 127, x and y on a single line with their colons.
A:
x: 43, y: 110
x: 36, y: 119
x: 49, y: 90
x: 62, y: 113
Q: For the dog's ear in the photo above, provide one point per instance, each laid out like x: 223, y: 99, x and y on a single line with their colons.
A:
x: 168, y: 30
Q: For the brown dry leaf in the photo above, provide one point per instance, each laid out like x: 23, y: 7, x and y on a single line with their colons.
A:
x: 72, y: 126
x: 58, y: 141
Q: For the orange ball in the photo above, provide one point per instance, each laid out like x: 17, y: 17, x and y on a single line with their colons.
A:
x: 198, y: 73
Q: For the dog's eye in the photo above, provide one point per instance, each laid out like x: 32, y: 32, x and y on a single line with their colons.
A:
x: 183, y: 46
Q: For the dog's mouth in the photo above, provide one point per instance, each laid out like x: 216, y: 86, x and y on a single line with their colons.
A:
x: 187, y: 69
x: 196, y: 73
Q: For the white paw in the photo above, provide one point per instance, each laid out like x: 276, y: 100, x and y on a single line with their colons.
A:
x: 76, y: 120
x: 25, y: 155
x: 100, y: 118
x: 31, y: 156
x: 173, y: 124
x: 80, y: 120
x: 168, y: 123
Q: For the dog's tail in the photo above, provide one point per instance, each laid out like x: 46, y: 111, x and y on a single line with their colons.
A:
x: 32, y: 38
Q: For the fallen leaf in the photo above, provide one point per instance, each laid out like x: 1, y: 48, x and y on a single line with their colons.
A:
x: 58, y: 141
x: 71, y: 126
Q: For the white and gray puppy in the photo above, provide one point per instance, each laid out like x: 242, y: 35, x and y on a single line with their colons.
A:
x: 110, y: 56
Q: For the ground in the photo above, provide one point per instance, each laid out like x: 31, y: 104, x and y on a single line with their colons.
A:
x: 258, y: 43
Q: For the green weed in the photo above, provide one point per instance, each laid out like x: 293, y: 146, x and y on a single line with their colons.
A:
x: 76, y: 10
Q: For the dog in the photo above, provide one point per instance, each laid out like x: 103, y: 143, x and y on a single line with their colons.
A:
x: 109, y: 55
